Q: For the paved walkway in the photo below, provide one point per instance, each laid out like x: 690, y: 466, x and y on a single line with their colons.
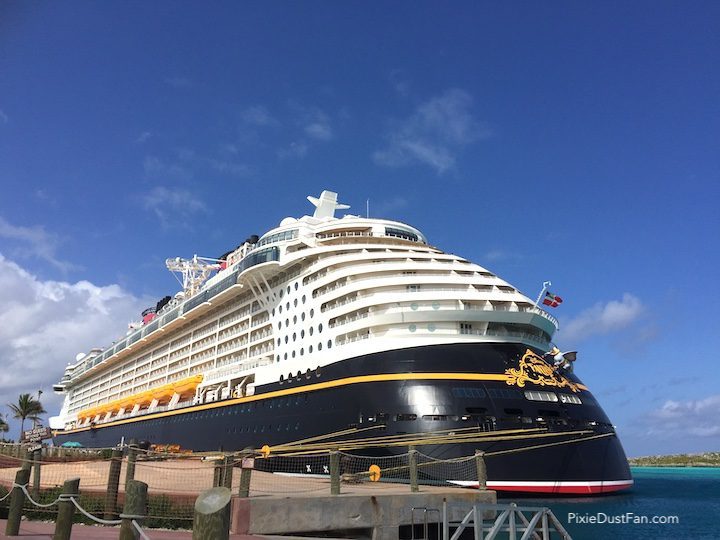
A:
x: 38, y: 530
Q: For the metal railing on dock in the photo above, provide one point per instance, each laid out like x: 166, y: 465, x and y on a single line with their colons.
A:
x: 488, y: 520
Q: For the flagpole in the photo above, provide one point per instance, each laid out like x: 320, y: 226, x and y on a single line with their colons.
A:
x: 546, y: 286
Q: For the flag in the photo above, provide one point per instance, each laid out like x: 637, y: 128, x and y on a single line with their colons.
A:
x: 551, y: 299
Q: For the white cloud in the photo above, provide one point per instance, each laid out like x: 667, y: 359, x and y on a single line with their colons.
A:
x: 44, y: 324
x: 257, y: 115
x: 603, y: 318
x: 695, y: 418
x: 34, y: 242
x: 434, y: 134
x: 316, y: 125
x: 297, y: 149
x: 144, y: 136
x: 173, y: 207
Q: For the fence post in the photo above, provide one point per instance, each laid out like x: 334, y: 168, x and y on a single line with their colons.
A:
x: 135, y: 508
x: 412, y: 463
x: 17, y: 500
x: 37, y: 460
x: 111, y: 495
x: 247, y: 464
x: 334, y: 472
x: 227, y: 477
x: 481, y: 470
x: 66, y: 510
x: 132, y: 458
x: 212, y: 515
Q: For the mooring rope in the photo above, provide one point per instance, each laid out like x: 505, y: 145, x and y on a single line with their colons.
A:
x: 94, y: 518
x: 524, y: 448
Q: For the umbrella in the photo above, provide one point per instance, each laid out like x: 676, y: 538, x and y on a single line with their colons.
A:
x: 71, y: 444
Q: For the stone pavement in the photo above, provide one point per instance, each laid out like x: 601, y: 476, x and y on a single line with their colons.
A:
x: 39, y: 530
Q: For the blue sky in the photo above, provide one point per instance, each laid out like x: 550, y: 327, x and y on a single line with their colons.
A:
x: 575, y: 141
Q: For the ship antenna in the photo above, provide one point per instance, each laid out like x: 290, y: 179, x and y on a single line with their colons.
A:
x: 367, y: 208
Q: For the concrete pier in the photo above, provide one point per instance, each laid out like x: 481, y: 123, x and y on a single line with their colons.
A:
x: 377, y: 510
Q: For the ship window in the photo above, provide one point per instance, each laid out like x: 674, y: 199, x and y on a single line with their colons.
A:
x: 539, y: 395
x: 273, y: 312
x: 311, y: 330
x: 295, y: 302
x: 288, y: 289
x: 281, y: 293
x: 310, y: 349
x: 286, y: 339
x: 298, y: 376
x: 302, y: 351
x: 329, y: 344
x: 279, y: 325
x: 504, y: 393
x: 277, y: 359
x: 317, y: 374
x: 319, y: 346
x: 285, y: 356
x: 296, y: 285
x: 302, y: 333
x: 302, y: 316
x: 405, y: 417
x: 278, y: 341
x: 294, y: 336
x: 294, y: 319
x: 435, y: 417
x: 569, y: 398
x: 320, y: 328
x: 304, y: 298
x: 312, y: 313
x: 307, y: 373
x: 287, y: 305
x: 280, y: 309
x: 293, y: 354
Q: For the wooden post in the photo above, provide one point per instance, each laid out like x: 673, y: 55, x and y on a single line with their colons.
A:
x: 135, y: 508
x: 227, y: 476
x: 113, y: 483
x: 66, y: 510
x: 412, y: 463
x: 17, y: 500
x: 218, y: 473
x: 334, y: 472
x: 247, y: 464
x: 36, y: 472
x: 212, y: 515
x: 132, y: 458
x: 481, y: 470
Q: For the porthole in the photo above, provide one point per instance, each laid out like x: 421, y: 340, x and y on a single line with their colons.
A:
x: 329, y: 343
x: 294, y: 319
x: 288, y: 289
x: 299, y: 376
x: 307, y: 374
x: 294, y: 336
x: 278, y: 341
x: 273, y: 312
x: 282, y: 380
x: 295, y: 302
x: 302, y: 316
x: 319, y: 346
x: 281, y: 293
x: 285, y: 356
x: 279, y: 309
x: 277, y: 358
x: 412, y: 327
x: 279, y: 325
x: 414, y: 306
x: 317, y: 371
x: 286, y: 339
x: 287, y: 322
x: 310, y: 349
x: 296, y: 285
x: 311, y: 330
x: 304, y: 298
x: 320, y: 328
x: 302, y: 351
x: 431, y: 327
x: 312, y: 313
x: 293, y: 354
x: 287, y: 305
x: 302, y: 333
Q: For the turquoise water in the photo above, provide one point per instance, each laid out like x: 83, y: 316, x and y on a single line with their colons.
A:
x: 691, y: 494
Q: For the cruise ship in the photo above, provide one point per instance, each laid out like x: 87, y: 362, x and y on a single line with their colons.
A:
x: 329, y: 323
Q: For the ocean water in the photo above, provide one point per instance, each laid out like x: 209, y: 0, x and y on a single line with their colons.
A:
x: 690, y: 494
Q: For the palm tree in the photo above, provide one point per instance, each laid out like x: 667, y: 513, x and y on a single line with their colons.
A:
x: 4, y: 427
x: 26, y: 407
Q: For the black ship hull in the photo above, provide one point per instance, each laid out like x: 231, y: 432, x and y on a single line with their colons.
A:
x: 414, y: 390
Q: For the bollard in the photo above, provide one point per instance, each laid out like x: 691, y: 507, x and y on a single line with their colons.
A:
x: 17, y: 500
x: 132, y: 458
x: 37, y: 459
x: 66, y: 510
x: 212, y: 515
x: 412, y: 463
x: 334, y: 472
x: 135, y: 509
x: 111, y: 495
x: 481, y: 470
x: 247, y: 464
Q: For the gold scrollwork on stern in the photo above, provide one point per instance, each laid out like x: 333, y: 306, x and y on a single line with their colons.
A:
x: 533, y: 369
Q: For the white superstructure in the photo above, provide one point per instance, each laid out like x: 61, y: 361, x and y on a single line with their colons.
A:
x: 313, y: 291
